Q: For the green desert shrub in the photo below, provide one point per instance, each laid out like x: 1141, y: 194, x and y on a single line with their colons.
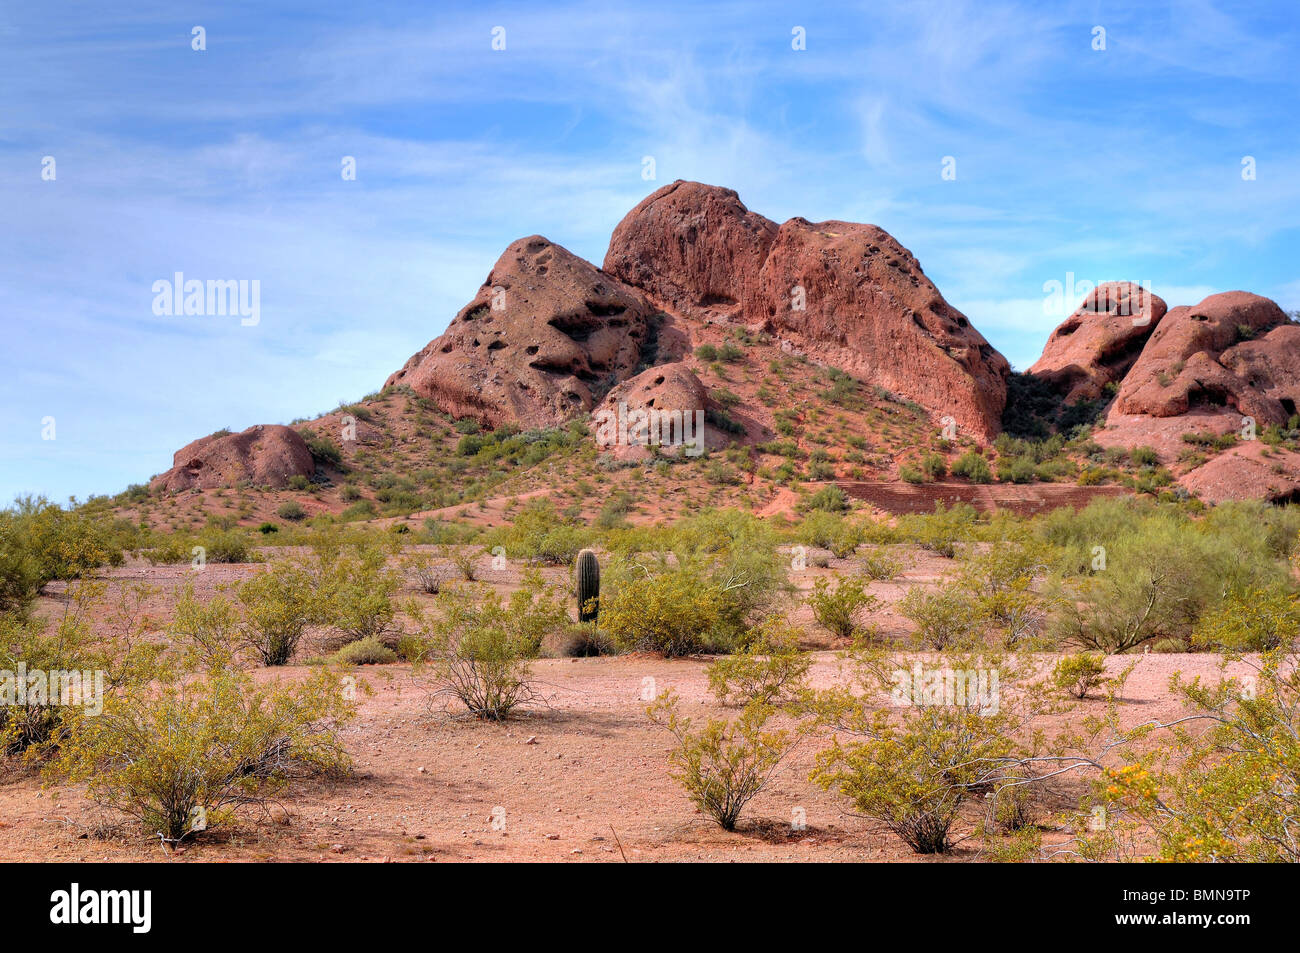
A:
x: 276, y: 607
x: 186, y: 754
x: 291, y: 510
x: 480, y: 649
x: 355, y: 589
x: 827, y: 530
x: 41, y: 542
x: 721, y: 576
x: 913, y: 766
x: 29, y: 726
x: 879, y: 566
x: 1017, y: 470
x: 1257, y: 619
x: 367, y: 651
x: 21, y: 577
x: 829, y: 499
x: 723, y: 765
x: 1152, y: 573
x: 672, y: 609
x: 1080, y: 673
x: 999, y: 584
x: 361, y: 510
x: 934, y: 466
x: 839, y: 608
x: 910, y: 474
x: 940, y: 531
x: 944, y: 618
x: 225, y: 546
x: 539, y: 533
x: 1144, y: 457
x: 1222, y: 792
x: 323, y: 449
x: 208, y: 631
x: 770, y: 669
x: 972, y: 466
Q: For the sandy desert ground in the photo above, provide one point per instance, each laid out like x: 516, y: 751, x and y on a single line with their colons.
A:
x: 582, y: 777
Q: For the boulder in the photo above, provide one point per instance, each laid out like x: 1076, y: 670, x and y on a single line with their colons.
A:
x: 264, y: 455
x: 1100, y: 341
x: 678, y: 399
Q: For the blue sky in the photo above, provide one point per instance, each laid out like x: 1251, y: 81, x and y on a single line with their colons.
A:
x: 1123, y: 163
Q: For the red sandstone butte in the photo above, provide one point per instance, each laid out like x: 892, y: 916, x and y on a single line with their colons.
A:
x: 545, y: 337
x: 870, y: 310
x: 848, y: 294
x: 1100, y: 341
x: 1179, y: 367
x: 692, y: 247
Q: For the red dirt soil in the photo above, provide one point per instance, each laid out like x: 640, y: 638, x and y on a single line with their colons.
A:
x: 1023, y: 500
x: 581, y: 777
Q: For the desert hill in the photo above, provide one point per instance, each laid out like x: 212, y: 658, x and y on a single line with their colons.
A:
x: 814, y: 353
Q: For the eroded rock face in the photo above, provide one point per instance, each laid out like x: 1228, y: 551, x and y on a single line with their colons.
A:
x: 1270, y: 365
x: 1180, y: 365
x: 848, y: 294
x: 680, y: 400
x: 1100, y: 341
x: 868, y: 308
x: 1229, y: 365
x: 546, y: 336
x: 265, y: 455
x: 669, y: 387
x: 693, y: 247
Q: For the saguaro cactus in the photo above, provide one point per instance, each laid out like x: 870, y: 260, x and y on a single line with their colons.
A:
x: 588, y: 586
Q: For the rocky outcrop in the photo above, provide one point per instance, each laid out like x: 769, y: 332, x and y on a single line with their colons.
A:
x: 265, y: 455
x: 680, y: 401
x: 857, y: 299
x: 693, y: 247
x: 1100, y: 341
x: 849, y: 294
x: 1179, y: 367
x: 1229, y: 365
x: 546, y: 336
x: 667, y: 387
x: 1270, y: 365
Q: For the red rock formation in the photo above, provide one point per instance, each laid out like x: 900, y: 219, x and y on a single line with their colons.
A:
x: 672, y: 390
x: 1100, y: 341
x: 545, y: 337
x: 693, y: 247
x: 1206, y: 369
x: 870, y: 310
x: 663, y: 387
x: 865, y: 307
x: 1179, y: 366
x: 262, y: 456
x: 1271, y: 366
